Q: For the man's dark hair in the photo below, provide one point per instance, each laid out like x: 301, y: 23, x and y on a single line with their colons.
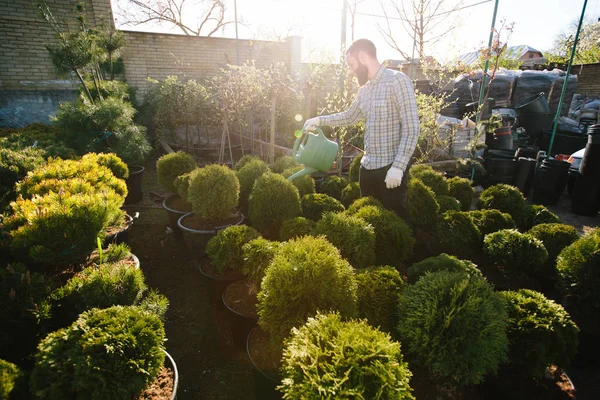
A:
x: 362, y: 45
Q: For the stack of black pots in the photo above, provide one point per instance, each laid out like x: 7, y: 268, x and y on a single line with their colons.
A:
x: 586, y: 192
x: 534, y: 114
x: 550, y: 181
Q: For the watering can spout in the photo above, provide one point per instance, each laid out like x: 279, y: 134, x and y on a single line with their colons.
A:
x: 305, y: 171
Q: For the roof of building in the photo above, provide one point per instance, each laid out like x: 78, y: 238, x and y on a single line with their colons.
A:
x: 513, y: 52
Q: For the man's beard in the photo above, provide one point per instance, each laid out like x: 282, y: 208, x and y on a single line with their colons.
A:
x: 362, y: 74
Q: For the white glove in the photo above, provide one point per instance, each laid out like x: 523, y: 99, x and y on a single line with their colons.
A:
x: 311, y: 124
x: 393, y: 178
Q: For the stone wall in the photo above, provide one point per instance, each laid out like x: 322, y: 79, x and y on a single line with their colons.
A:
x: 588, y: 79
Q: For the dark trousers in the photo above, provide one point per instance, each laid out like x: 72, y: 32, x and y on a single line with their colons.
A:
x: 372, y: 183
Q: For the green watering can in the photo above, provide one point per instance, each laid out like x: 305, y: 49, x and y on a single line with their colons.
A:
x: 315, y: 152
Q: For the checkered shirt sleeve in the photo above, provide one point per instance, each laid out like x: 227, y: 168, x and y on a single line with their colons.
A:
x: 404, y: 97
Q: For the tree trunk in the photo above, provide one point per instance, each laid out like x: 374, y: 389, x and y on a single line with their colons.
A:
x: 87, y: 92
x: 272, y: 141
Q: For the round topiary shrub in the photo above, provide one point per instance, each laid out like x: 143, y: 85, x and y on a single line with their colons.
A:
x: 418, y: 169
x: 283, y: 163
x: 422, y: 207
x: 14, y: 166
x: 306, y: 275
x: 317, y: 362
x: 514, y: 250
x: 353, y: 236
x: 305, y: 183
x: 378, y: 291
x: 273, y: 200
x: 247, y: 175
x: 333, y: 186
x: 579, y: 277
x: 461, y: 189
x: 540, y: 332
x: 315, y: 205
x: 506, y: 199
x: 447, y: 203
x: 296, y: 227
x: 350, y: 193
x: 432, y: 179
x: 225, y: 249
x: 172, y: 165
x: 214, y: 192
x: 394, y: 241
x: 9, y: 374
x: 364, y: 202
x: 110, y: 161
x: 489, y: 221
x: 537, y: 214
x: 455, y: 325
x: 182, y: 185
x: 456, y: 234
x: 110, y: 353
x: 244, y: 160
x: 354, y: 170
x: 258, y: 254
x: 555, y: 237
x: 443, y: 262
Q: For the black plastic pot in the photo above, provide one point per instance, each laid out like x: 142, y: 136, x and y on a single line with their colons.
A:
x: 524, y: 174
x: 526, y: 152
x: 196, y: 240
x: 171, y: 361
x: 216, y: 284
x: 537, y: 104
x: 265, y: 382
x: 134, y: 184
x: 122, y: 236
x: 174, y: 214
x: 503, y: 142
x: 550, y: 181
x: 590, y: 163
x: 573, y: 174
x: 240, y: 324
x: 564, y: 143
x: 586, y: 196
x: 501, y: 170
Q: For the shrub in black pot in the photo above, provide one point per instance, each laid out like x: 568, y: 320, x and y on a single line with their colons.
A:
x: 540, y: 332
x: 363, y: 202
x: 443, y: 262
x: 273, y: 200
x: 422, y: 207
x: 247, y: 175
x: 313, y: 368
x: 172, y: 165
x: 305, y: 183
x: 461, y: 189
x: 315, y: 205
x: 506, y: 199
x: 214, y: 192
x: 517, y: 251
x: 447, y: 203
x: 258, y: 254
x: 378, y: 291
x: 353, y: 236
x: 555, y: 237
x: 489, y: 221
x: 454, y: 325
x: 296, y: 227
x: 225, y: 249
x: 394, y: 241
x: 350, y: 194
x: 457, y: 234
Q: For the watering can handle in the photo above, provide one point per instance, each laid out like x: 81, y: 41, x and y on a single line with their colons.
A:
x: 302, y: 138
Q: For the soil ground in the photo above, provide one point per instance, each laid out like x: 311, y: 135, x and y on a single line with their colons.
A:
x: 209, y: 366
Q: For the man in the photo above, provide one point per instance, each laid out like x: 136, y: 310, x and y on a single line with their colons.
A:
x: 386, y: 100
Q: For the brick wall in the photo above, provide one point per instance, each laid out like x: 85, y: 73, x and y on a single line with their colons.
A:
x: 588, y: 79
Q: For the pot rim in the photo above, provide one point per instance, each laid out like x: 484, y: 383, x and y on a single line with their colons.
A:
x: 213, y: 231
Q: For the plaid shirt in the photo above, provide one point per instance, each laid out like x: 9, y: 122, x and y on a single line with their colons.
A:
x: 389, y: 107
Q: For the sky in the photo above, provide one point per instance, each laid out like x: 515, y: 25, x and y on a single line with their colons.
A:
x: 318, y: 22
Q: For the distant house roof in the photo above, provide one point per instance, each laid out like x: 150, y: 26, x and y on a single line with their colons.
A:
x: 513, y: 52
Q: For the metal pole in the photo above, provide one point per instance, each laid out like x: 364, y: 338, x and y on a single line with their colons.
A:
x: 343, y: 39
x: 564, y: 88
x: 487, y: 62
x: 237, y: 45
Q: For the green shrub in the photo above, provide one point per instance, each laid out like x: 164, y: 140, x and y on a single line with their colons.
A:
x: 214, y: 192
x: 490, y: 221
x: 506, y: 199
x: 67, y: 228
x: 106, y: 354
x: 14, y: 166
x: 244, y: 160
x: 296, y: 227
x: 318, y: 362
x: 419, y: 169
x: 461, y: 189
x: 515, y: 250
x: 108, y: 88
x: 305, y: 276
x: 447, y: 203
x: 9, y: 374
x: 555, y: 237
x: 317, y: 204
x: 225, y: 249
x: 172, y: 165
x: 44, y: 138
x: 432, y: 179
x: 350, y: 193
x: 182, y: 185
x: 258, y: 254
x: 101, y: 286
x: 273, y: 200
x: 537, y: 214
x: 443, y: 262
x: 378, y: 291
x: 422, y: 207
x: 394, y: 241
x: 155, y: 303
x: 333, y: 186
x: 457, y: 234
x: 132, y: 145
x: 283, y: 163
x: 579, y: 276
x: 354, y: 170
x: 455, y: 325
x: 247, y: 175
x: 110, y: 161
x: 363, y: 202
x: 540, y: 332
x: 305, y: 183
x: 353, y: 236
